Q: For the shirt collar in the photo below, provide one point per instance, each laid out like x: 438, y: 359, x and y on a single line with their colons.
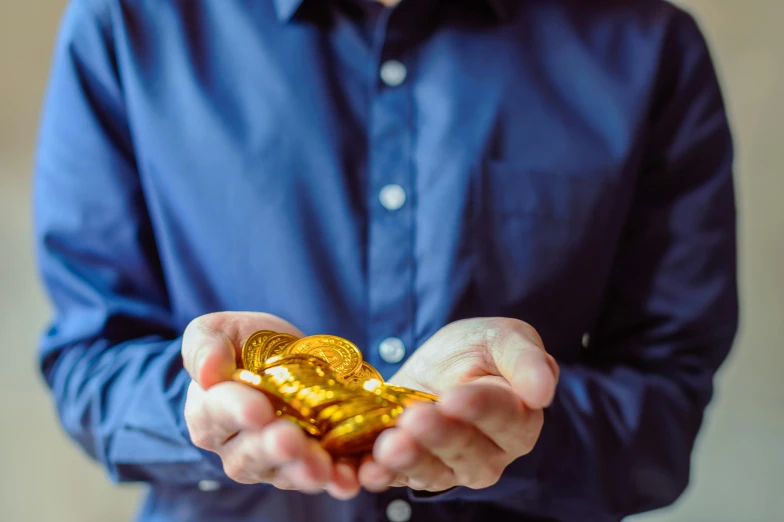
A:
x: 286, y: 9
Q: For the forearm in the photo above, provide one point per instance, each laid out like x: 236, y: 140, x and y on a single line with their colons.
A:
x: 616, y: 441
x: 123, y: 404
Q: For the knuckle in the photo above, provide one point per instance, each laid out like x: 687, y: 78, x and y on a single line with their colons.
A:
x: 202, y: 326
x: 488, y: 476
x: 196, y: 326
x: 237, y: 470
x: 464, y: 477
x: 474, y: 407
x: 206, y: 323
x: 485, y: 482
x: 235, y: 473
x: 246, y: 461
x: 494, y: 470
x: 505, y: 337
x: 283, y: 484
x: 252, y: 410
x: 201, y: 439
x: 528, y: 332
x: 520, y: 329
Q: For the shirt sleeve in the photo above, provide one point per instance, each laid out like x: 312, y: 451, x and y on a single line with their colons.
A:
x: 619, y: 436
x: 111, y: 354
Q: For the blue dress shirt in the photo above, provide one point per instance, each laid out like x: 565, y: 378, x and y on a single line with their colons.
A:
x: 378, y: 173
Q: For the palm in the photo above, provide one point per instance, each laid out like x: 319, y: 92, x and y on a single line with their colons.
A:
x: 494, y: 378
x: 480, y: 351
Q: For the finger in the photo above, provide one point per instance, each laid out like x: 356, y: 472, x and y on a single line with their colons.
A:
x: 197, y: 418
x: 374, y: 477
x: 396, y: 449
x: 496, y: 412
x: 518, y: 354
x: 232, y: 407
x: 312, y: 472
x: 255, y: 456
x: 282, y: 483
x: 400, y: 482
x: 345, y: 483
x: 211, y: 344
x: 475, y: 460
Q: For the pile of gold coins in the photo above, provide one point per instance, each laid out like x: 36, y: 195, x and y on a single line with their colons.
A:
x: 321, y: 384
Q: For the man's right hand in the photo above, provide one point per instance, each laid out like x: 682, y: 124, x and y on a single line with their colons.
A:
x: 239, y: 423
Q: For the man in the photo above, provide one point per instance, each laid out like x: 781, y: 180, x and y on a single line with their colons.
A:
x: 468, y: 190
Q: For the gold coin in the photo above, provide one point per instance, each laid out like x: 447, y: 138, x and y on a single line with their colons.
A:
x: 252, y: 348
x: 295, y: 359
x: 302, y: 366
x: 289, y: 388
x: 282, y: 408
x: 273, y: 345
x: 306, y: 426
x: 358, y: 434
x: 306, y: 374
x: 335, y: 414
x: 276, y: 395
x: 366, y: 378
x: 323, y: 392
x: 311, y: 400
x: 402, y: 395
x: 340, y: 353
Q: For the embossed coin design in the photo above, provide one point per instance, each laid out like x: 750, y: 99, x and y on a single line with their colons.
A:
x: 341, y: 354
x: 366, y: 378
x: 252, y: 349
x: 321, y: 384
x: 276, y: 343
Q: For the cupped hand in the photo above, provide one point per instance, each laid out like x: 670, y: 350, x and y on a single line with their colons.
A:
x: 239, y: 423
x: 494, y: 378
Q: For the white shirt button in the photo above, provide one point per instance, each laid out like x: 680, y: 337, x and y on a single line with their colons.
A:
x: 393, y: 73
x: 399, y: 511
x: 209, y: 485
x: 586, y: 340
x: 392, y: 197
x: 392, y: 350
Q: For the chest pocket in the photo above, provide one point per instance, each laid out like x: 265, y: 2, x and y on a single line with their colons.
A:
x: 538, y: 232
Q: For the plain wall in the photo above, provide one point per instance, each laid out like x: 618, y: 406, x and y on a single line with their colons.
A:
x: 739, y: 464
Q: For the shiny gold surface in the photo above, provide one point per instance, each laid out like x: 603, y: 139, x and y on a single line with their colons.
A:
x: 321, y: 384
x: 358, y: 434
x: 276, y: 344
x: 366, y: 374
x: 341, y: 354
x: 253, y: 349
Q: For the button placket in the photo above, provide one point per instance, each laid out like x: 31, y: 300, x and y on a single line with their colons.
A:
x: 391, y: 219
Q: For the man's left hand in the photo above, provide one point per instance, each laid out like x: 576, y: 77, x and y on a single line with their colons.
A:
x: 494, y: 378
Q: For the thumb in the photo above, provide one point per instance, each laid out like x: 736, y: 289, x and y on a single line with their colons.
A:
x: 519, y: 356
x: 212, y: 343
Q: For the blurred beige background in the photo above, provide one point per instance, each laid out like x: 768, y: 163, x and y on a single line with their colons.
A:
x: 739, y: 466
